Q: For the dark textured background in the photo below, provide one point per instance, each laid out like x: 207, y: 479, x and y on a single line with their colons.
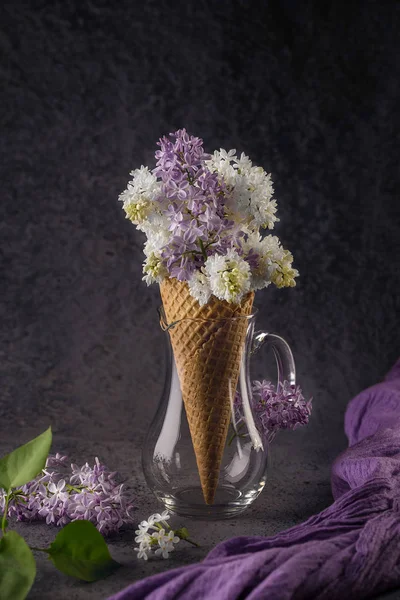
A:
x: 309, y: 91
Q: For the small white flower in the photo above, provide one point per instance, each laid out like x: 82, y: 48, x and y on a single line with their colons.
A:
x: 145, y: 181
x: 138, y: 198
x: 220, y: 162
x: 229, y: 276
x: 163, y: 517
x: 171, y: 537
x: 243, y: 164
x: 149, y: 523
x: 142, y: 537
x: 157, y: 541
x: 166, y: 542
x: 163, y: 551
x: 252, y: 197
x: 158, y: 535
x: 153, y: 269
x: 284, y: 274
x: 199, y: 286
x: 157, y: 239
x: 143, y: 552
x: 137, y: 210
x: 156, y: 228
x: 269, y: 251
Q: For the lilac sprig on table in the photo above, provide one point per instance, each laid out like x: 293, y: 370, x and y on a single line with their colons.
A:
x: 204, y: 217
x: 78, y: 550
x: 278, y: 408
x: 155, y: 537
x: 62, y: 494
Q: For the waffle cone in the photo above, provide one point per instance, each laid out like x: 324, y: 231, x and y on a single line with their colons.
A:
x: 207, y: 354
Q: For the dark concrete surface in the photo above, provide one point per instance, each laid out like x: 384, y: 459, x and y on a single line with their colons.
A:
x: 297, y: 487
x: 309, y: 90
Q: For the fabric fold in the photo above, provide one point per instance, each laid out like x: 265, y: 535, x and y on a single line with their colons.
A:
x: 350, y: 550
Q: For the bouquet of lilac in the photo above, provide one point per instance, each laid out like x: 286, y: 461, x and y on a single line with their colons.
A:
x: 278, y: 408
x: 60, y: 495
x: 203, y: 216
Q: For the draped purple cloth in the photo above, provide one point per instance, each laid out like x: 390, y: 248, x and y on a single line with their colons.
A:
x: 350, y: 550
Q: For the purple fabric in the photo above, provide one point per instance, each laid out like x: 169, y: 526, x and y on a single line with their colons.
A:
x: 350, y: 550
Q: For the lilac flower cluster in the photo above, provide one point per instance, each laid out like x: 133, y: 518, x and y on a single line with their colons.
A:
x: 202, y: 215
x: 155, y: 536
x: 275, y: 409
x: 61, y: 496
x: 194, y: 201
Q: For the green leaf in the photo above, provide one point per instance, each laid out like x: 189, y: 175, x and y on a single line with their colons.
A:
x: 79, y: 550
x: 17, y: 567
x: 24, y: 463
x: 182, y: 533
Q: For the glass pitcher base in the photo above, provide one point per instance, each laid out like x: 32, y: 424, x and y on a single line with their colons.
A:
x: 189, y: 502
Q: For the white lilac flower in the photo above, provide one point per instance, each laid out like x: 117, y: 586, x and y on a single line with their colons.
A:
x: 143, y: 552
x: 157, y: 517
x: 262, y: 253
x: 166, y: 544
x: 243, y: 164
x: 145, y: 182
x: 252, y: 196
x: 229, y: 166
x: 142, y: 536
x: 156, y: 536
x: 157, y: 237
x: 156, y: 228
x: 140, y: 194
x: 229, y: 276
x: 199, y: 286
x: 137, y: 211
x: 284, y: 274
x: 149, y: 523
x: 154, y: 269
x: 221, y: 163
x: 171, y: 538
x: 251, y: 201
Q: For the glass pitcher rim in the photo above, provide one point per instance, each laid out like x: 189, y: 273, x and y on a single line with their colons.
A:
x: 166, y: 327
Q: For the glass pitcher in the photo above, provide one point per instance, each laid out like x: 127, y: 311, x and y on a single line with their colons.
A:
x: 206, y: 454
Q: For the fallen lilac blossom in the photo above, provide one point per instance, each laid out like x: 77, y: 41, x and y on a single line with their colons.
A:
x: 61, y: 494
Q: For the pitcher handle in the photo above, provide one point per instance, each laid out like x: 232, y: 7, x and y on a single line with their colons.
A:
x: 283, y: 355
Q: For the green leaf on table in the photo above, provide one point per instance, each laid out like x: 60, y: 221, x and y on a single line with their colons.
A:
x: 79, y: 550
x: 24, y: 463
x: 17, y: 567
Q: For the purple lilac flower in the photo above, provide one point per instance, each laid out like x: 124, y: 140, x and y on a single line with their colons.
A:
x: 56, y: 460
x: 193, y: 199
x: 59, y: 497
x: 275, y: 409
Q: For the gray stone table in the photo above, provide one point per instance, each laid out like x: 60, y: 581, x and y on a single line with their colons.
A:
x: 296, y: 489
